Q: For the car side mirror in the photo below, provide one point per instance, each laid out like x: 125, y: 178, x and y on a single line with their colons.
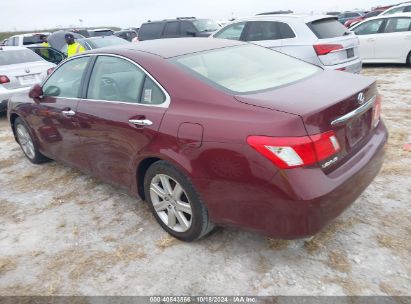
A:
x: 52, y: 91
x: 36, y: 91
x: 191, y: 33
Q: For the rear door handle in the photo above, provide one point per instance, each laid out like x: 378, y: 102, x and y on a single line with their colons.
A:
x: 371, y: 39
x: 68, y: 113
x: 141, y: 122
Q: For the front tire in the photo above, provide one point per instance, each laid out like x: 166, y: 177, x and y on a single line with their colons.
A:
x: 175, y: 203
x: 26, y: 142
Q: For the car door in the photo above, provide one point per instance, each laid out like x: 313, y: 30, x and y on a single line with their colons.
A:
x: 49, y: 54
x: 119, y: 115
x: 394, y: 43
x: 368, y: 33
x: 55, y: 120
x: 233, y: 31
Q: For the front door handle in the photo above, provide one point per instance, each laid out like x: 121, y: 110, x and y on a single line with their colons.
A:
x: 68, y: 113
x: 371, y: 39
x: 141, y: 122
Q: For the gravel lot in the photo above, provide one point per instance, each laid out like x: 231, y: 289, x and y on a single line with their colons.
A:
x: 64, y: 233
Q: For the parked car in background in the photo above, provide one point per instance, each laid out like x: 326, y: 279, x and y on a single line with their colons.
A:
x: 83, y: 32
x: 20, y: 68
x: 276, y: 13
x: 100, y: 32
x: 344, y: 17
x: 354, y: 21
x: 25, y: 39
x: 333, y: 13
x: 320, y: 40
x: 100, y: 42
x: 385, y: 39
x: 400, y: 8
x: 58, y: 42
x: 128, y: 35
x: 301, y: 146
x: 48, y: 53
x: 180, y: 27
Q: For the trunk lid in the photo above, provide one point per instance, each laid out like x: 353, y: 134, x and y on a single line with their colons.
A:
x: 323, y: 99
x: 25, y: 74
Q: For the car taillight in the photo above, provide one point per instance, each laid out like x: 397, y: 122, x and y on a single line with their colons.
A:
x: 376, y: 111
x: 50, y: 70
x: 324, y: 49
x: 4, y: 79
x: 292, y: 152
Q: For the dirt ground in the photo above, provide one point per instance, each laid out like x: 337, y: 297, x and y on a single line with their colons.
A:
x: 64, y: 233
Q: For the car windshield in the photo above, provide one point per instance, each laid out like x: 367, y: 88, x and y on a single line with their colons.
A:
x: 206, y: 25
x: 106, y: 41
x: 246, y: 68
x: 18, y: 56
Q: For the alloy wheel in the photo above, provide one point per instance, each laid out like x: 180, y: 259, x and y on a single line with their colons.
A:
x: 25, y: 141
x: 171, y: 203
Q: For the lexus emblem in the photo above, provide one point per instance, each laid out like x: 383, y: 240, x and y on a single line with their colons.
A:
x: 27, y: 70
x: 361, y: 98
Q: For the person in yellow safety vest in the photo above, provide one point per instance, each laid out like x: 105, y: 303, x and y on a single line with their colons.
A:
x: 73, y: 47
x: 44, y: 40
x: 44, y: 52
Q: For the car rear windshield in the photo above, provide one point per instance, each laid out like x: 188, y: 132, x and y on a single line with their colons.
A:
x: 18, y: 56
x: 206, y: 25
x: 106, y: 41
x: 246, y: 68
x: 102, y: 33
x: 327, y: 28
x: 32, y: 40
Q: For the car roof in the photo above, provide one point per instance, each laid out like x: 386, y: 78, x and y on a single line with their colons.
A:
x: 389, y: 16
x: 286, y: 17
x: 401, y: 5
x: 32, y: 34
x: 382, y: 17
x: 12, y: 48
x: 168, y: 48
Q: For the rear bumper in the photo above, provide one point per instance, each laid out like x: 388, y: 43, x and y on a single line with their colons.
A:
x: 298, y: 203
x: 354, y: 66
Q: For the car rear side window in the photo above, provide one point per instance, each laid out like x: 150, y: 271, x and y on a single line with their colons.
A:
x: 398, y: 25
x: 187, y: 28
x: 233, y: 31
x: 327, y: 28
x: 171, y: 28
x: 117, y: 79
x: 18, y: 56
x: 246, y: 68
x: 66, y: 80
x: 268, y: 30
x: 151, y: 30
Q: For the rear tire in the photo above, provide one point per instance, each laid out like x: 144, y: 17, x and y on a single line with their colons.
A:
x: 409, y: 59
x: 175, y: 203
x: 27, y: 143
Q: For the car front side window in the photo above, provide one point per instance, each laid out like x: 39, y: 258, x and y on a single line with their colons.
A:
x: 117, y: 79
x: 369, y: 28
x: 233, y: 31
x: 65, y: 82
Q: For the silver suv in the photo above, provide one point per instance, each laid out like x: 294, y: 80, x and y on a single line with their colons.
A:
x: 320, y: 40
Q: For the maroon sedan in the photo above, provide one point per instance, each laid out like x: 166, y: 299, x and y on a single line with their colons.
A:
x: 210, y: 132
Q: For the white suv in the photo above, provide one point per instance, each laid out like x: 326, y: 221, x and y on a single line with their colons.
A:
x: 320, y: 40
x: 25, y: 39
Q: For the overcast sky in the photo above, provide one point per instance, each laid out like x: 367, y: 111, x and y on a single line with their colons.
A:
x: 40, y: 14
